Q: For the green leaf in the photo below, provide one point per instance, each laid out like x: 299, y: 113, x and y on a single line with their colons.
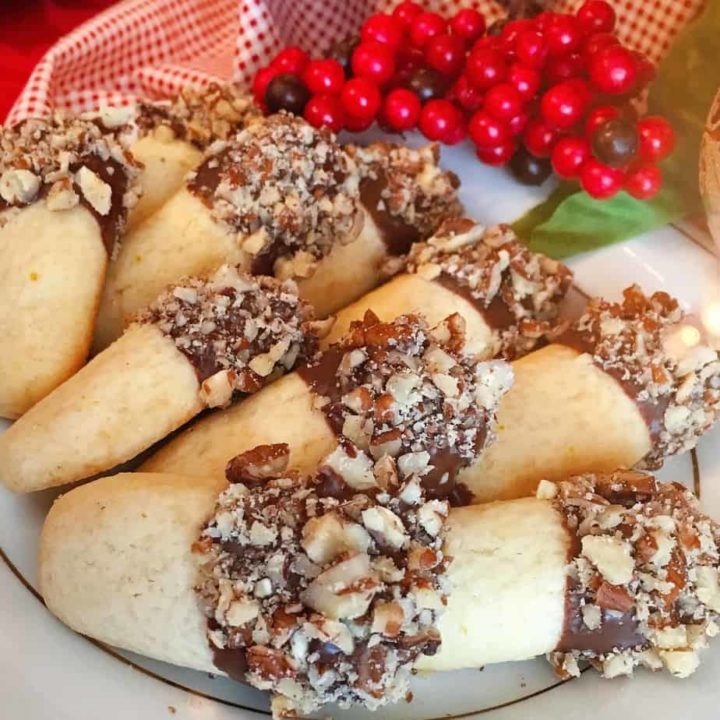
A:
x: 570, y: 222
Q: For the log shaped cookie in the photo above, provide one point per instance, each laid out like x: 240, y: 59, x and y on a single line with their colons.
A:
x: 340, y: 598
x: 200, y: 342
x: 65, y: 190
x: 332, y: 231
x: 508, y: 296
x: 572, y: 407
x: 627, y: 385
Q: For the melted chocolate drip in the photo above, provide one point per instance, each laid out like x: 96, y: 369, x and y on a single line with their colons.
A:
x: 652, y: 410
x: 616, y: 631
x: 397, y: 235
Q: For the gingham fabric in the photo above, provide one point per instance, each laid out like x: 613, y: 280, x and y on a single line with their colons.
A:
x: 154, y: 47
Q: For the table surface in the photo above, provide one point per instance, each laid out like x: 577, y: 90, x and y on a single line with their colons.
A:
x: 27, y: 29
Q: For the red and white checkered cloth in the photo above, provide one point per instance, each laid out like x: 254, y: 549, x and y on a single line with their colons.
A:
x: 154, y: 47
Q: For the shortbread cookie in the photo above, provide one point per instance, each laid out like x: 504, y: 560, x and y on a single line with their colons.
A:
x: 65, y: 190
x: 628, y: 384
x: 276, y: 583
x: 172, y: 136
x: 621, y: 387
x: 508, y: 296
x: 273, y: 199
x: 200, y: 342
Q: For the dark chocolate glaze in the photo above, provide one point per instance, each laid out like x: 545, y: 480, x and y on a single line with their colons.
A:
x: 652, y: 411
x: 113, y: 173
x: 233, y: 662
x: 204, y: 182
x: 616, y: 631
x: 397, y: 235
x: 441, y: 481
x: 497, y: 314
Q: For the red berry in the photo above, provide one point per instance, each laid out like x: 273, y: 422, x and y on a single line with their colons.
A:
x: 596, y: 16
x: 600, y: 181
x: 509, y: 34
x: 657, y: 138
x: 406, y: 12
x: 468, y: 24
x: 613, y: 70
x: 498, y: 155
x: 517, y: 124
x: 425, y: 26
x: 485, y: 67
x: 539, y: 137
x: 401, y: 109
x: 503, y: 101
x: 597, y: 42
x: 525, y: 80
x: 486, y: 131
x: 324, y: 76
x: 374, y: 61
x: 384, y: 29
x: 599, y: 116
x: 357, y: 125
x: 466, y: 95
x: 439, y: 120
x: 531, y: 49
x: 445, y: 53
x: 291, y: 60
x: 564, y: 68
x: 644, y: 182
x: 360, y: 99
x: 565, y: 104
x: 325, y: 111
x: 262, y: 79
x: 564, y: 35
x: 407, y: 59
x: 569, y: 155
x: 544, y: 19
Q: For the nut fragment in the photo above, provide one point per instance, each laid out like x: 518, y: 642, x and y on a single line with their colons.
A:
x: 18, y: 186
x: 610, y: 556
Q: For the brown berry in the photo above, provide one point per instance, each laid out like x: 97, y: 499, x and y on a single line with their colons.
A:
x: 286, y: 92
x: 529, y: 169
x: 427, y: 84
x: 615, y: 142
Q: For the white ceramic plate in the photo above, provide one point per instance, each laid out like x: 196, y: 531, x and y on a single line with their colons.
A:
x: 49, y: 673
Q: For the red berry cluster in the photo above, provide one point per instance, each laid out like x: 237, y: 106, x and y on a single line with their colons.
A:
x: 552, y: 92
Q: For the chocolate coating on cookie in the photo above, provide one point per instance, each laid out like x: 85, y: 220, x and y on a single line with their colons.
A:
x: 67, y: 161
x: 200, y: 117
x: 288, y: 190
x: 321, y: 599
x: 518, y: 292
x: 642, y: 585
x: 405, y: 390
x: 405, y: 191
x: 662, y: 362
x: 239, y: 332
